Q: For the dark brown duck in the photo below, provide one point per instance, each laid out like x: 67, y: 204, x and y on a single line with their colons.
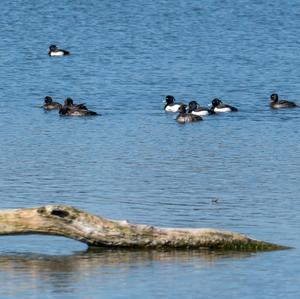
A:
x: 277, y: 104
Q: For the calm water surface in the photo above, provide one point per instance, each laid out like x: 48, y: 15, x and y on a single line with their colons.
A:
x: 135, y: 162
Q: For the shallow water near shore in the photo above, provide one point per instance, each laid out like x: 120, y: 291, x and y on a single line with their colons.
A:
x: 236, y: 171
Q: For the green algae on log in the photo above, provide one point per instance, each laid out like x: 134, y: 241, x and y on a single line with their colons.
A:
x: 97, y: 231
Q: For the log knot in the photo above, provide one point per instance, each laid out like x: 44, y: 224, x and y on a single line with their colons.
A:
x: 60, y: 213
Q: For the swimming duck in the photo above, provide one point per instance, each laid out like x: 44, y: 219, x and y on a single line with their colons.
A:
x: 185, y: 117
x: 276, y: 104
x: 50, y: 105
x: 75, y: 111
x: 171, y: 106
x: 196, y: 109
x: 54, y: 51
x: 218, y: 106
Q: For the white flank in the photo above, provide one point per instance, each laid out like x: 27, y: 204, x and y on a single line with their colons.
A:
x: 172, y: 108
x: 58, y: 53
x: 220, y: 110
x: 200, y: 113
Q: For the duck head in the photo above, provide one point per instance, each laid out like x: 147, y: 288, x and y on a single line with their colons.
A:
x: 274, y: 97
x: 52, y: 47
x: 192, y: 106
x: 215, y: 102
x: 68, y: 102
x: 170, y: 100
x: 182, y: 109
x: 48, y: 100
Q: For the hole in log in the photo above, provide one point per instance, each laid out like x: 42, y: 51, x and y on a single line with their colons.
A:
x: 59, y: 213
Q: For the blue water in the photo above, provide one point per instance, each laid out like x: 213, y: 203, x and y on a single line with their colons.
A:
x: 135, y: 162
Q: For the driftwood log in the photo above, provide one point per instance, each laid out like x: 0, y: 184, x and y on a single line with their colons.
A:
x: 72, y: 223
